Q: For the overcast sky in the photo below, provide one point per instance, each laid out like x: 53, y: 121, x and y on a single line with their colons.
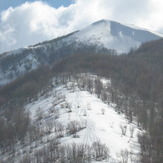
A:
x: 24, y: 23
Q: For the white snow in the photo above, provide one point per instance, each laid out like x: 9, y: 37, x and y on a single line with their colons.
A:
x: 101, y: 33
x: 87, y: 108
x: 104, y: 127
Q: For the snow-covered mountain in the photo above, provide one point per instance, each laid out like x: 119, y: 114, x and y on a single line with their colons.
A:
x: 100, y: 37
x: 114, y: 35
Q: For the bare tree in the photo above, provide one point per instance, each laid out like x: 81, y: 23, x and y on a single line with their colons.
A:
x: 39, y: 114
x: 98, y: 87
x: 73, y: 127
x: 49, y: 126
x: 123, y: 129
x: 100, y: 151
x: 124, y: 156
x: 59, y: 129
x: 131, y: 131
x: 54, y: 112
x: 26, y: 159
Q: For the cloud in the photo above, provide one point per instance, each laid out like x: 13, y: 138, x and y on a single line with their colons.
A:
x: 34, y: 22
x: 30, y: 23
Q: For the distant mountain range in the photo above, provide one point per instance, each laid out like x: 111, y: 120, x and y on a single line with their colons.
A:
x: 103, y: 36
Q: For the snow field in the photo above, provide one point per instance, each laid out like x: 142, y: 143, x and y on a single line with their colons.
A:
x: 99, y: 120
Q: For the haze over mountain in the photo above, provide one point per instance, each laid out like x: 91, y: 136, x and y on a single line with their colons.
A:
x: 103, y: 36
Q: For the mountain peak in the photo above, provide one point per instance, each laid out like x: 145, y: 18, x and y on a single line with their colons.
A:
x: 105, y: 21
x: 114, y: 35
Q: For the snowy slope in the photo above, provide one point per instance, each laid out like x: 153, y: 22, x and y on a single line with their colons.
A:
x: 87, y: 109
x: 104, y: 127
x: 114, y: 35
x: 99, y: 122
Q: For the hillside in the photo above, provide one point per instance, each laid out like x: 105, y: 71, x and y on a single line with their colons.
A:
x: 72, y: 116
x: 123, y: 90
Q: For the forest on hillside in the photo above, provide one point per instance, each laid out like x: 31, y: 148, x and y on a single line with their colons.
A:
x: 137, y: 90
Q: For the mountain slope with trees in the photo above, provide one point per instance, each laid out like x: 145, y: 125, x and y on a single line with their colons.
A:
x: 137, y: 91
x: 102, y: 37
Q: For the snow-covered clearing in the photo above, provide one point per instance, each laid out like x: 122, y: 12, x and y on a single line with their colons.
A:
x: 101, y: 120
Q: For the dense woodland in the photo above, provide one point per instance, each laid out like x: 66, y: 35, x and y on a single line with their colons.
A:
x: 137, y: 90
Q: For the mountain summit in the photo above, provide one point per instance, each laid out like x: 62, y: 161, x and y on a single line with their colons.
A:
x: 114, y: 35
x: 103, y: 36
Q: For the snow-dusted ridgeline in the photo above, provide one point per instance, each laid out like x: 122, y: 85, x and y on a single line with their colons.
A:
x: 98, y: 37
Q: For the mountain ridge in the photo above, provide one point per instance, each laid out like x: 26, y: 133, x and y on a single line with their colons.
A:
x: 104, y: 36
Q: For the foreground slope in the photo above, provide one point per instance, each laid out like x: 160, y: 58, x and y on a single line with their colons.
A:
x: 70, y: 116
x: 101, y: 122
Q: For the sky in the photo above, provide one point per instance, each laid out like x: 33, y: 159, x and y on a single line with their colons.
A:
x: 5, y: 4
x: 24, y: 23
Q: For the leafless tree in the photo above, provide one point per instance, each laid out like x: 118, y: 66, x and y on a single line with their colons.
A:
x: 100, y: 151
x: 124, y: 156
x: 39, y: 114
x: 131, y: 131
x: 59, y: 129
x: 73, y: 127
x: 123, y: 129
